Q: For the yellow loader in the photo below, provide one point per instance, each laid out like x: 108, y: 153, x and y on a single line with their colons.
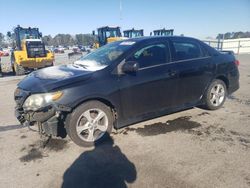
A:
x: 29, y: 52
x: 106, y: 35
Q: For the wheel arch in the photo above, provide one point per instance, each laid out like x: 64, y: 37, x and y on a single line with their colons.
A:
x: 102, y: 100
x: 224, y: 79
x: 219, y: 77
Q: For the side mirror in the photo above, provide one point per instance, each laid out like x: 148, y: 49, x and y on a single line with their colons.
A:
x: 40, y: 34
x: 130, y: 67
x: 93, y: 33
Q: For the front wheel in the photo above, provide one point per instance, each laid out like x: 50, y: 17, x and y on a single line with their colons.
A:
x: 215, y: 95
x: 89, y: 123
x: 16, y: 68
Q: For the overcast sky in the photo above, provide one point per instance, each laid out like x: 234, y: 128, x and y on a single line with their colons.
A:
x: 196, y: 18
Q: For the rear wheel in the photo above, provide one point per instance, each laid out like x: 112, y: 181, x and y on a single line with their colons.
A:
x: 52, y: 64
x: 215, y: 95
x: 18, y: 69
x: 89, y: 123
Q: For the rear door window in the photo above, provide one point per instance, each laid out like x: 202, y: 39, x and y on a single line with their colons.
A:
x: 205, y: 52
x: 185, y: 50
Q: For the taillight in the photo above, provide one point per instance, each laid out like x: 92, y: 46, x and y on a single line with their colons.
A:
x: 237, y: 62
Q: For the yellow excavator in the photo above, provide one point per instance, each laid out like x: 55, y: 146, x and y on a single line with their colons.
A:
x: 29, y: 51
x: 106, y: 35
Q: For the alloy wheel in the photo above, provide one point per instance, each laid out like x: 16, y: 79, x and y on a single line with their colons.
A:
x: 217, y: 94
x: 92, y: 125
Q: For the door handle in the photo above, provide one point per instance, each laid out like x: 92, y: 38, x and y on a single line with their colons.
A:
x: 172, y: 73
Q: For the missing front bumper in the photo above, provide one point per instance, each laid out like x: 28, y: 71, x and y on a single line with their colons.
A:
x: 50, y: 119
x: 50, y: 127
x: 47, y: 120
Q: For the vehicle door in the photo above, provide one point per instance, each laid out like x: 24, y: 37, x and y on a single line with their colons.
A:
x: 153, y: 86
x: 194, y: 67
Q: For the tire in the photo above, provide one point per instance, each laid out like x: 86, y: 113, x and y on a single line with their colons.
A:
x: 85, y: 115
x: 1, y: 74
x: 12, y: 63
x: 215, y: 95
x: 18, y: 69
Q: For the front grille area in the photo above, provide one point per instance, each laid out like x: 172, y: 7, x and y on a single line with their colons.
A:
x: 35, y: 49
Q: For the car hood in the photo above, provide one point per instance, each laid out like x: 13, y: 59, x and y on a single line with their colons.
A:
x: 51, y: 78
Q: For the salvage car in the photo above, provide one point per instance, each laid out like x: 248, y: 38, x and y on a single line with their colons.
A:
x: 58, y: 50
x: 125, y: 82
x: 4, y: 52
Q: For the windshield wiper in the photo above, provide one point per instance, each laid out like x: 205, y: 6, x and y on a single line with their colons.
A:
x: 80, y: 65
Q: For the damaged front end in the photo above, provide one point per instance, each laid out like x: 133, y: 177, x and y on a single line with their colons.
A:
x: 41, y: 110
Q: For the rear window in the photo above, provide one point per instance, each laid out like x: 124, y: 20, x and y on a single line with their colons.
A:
x: 186, y: 50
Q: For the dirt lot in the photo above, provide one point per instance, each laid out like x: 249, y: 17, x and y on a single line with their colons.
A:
x: 193, y: 148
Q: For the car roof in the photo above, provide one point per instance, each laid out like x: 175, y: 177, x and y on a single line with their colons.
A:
x: 149, y: 38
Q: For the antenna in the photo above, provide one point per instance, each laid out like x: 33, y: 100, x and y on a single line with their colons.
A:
x: 120, y: 9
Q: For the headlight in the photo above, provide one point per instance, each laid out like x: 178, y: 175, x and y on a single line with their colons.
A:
x: 37, y: 101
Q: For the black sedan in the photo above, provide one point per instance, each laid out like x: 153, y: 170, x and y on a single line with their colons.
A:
x: 125, y: 82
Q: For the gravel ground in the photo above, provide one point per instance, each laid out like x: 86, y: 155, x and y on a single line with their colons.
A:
x: 193, y: 148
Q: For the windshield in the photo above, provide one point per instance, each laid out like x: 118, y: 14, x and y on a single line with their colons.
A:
x: 157, y: 33
x: 112, y: 33
x: 104, y: 56
x: 163, y: 33
x: 133, y: 33
x: 105, y: 33
x: 136, y: 34
x: 28, y: 34
x: 166, y: 33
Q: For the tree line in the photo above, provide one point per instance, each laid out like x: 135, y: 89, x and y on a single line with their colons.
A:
x: 233, y: 35
x: 2, y: 40
x: 69, y: 40
x: 59, y: 39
